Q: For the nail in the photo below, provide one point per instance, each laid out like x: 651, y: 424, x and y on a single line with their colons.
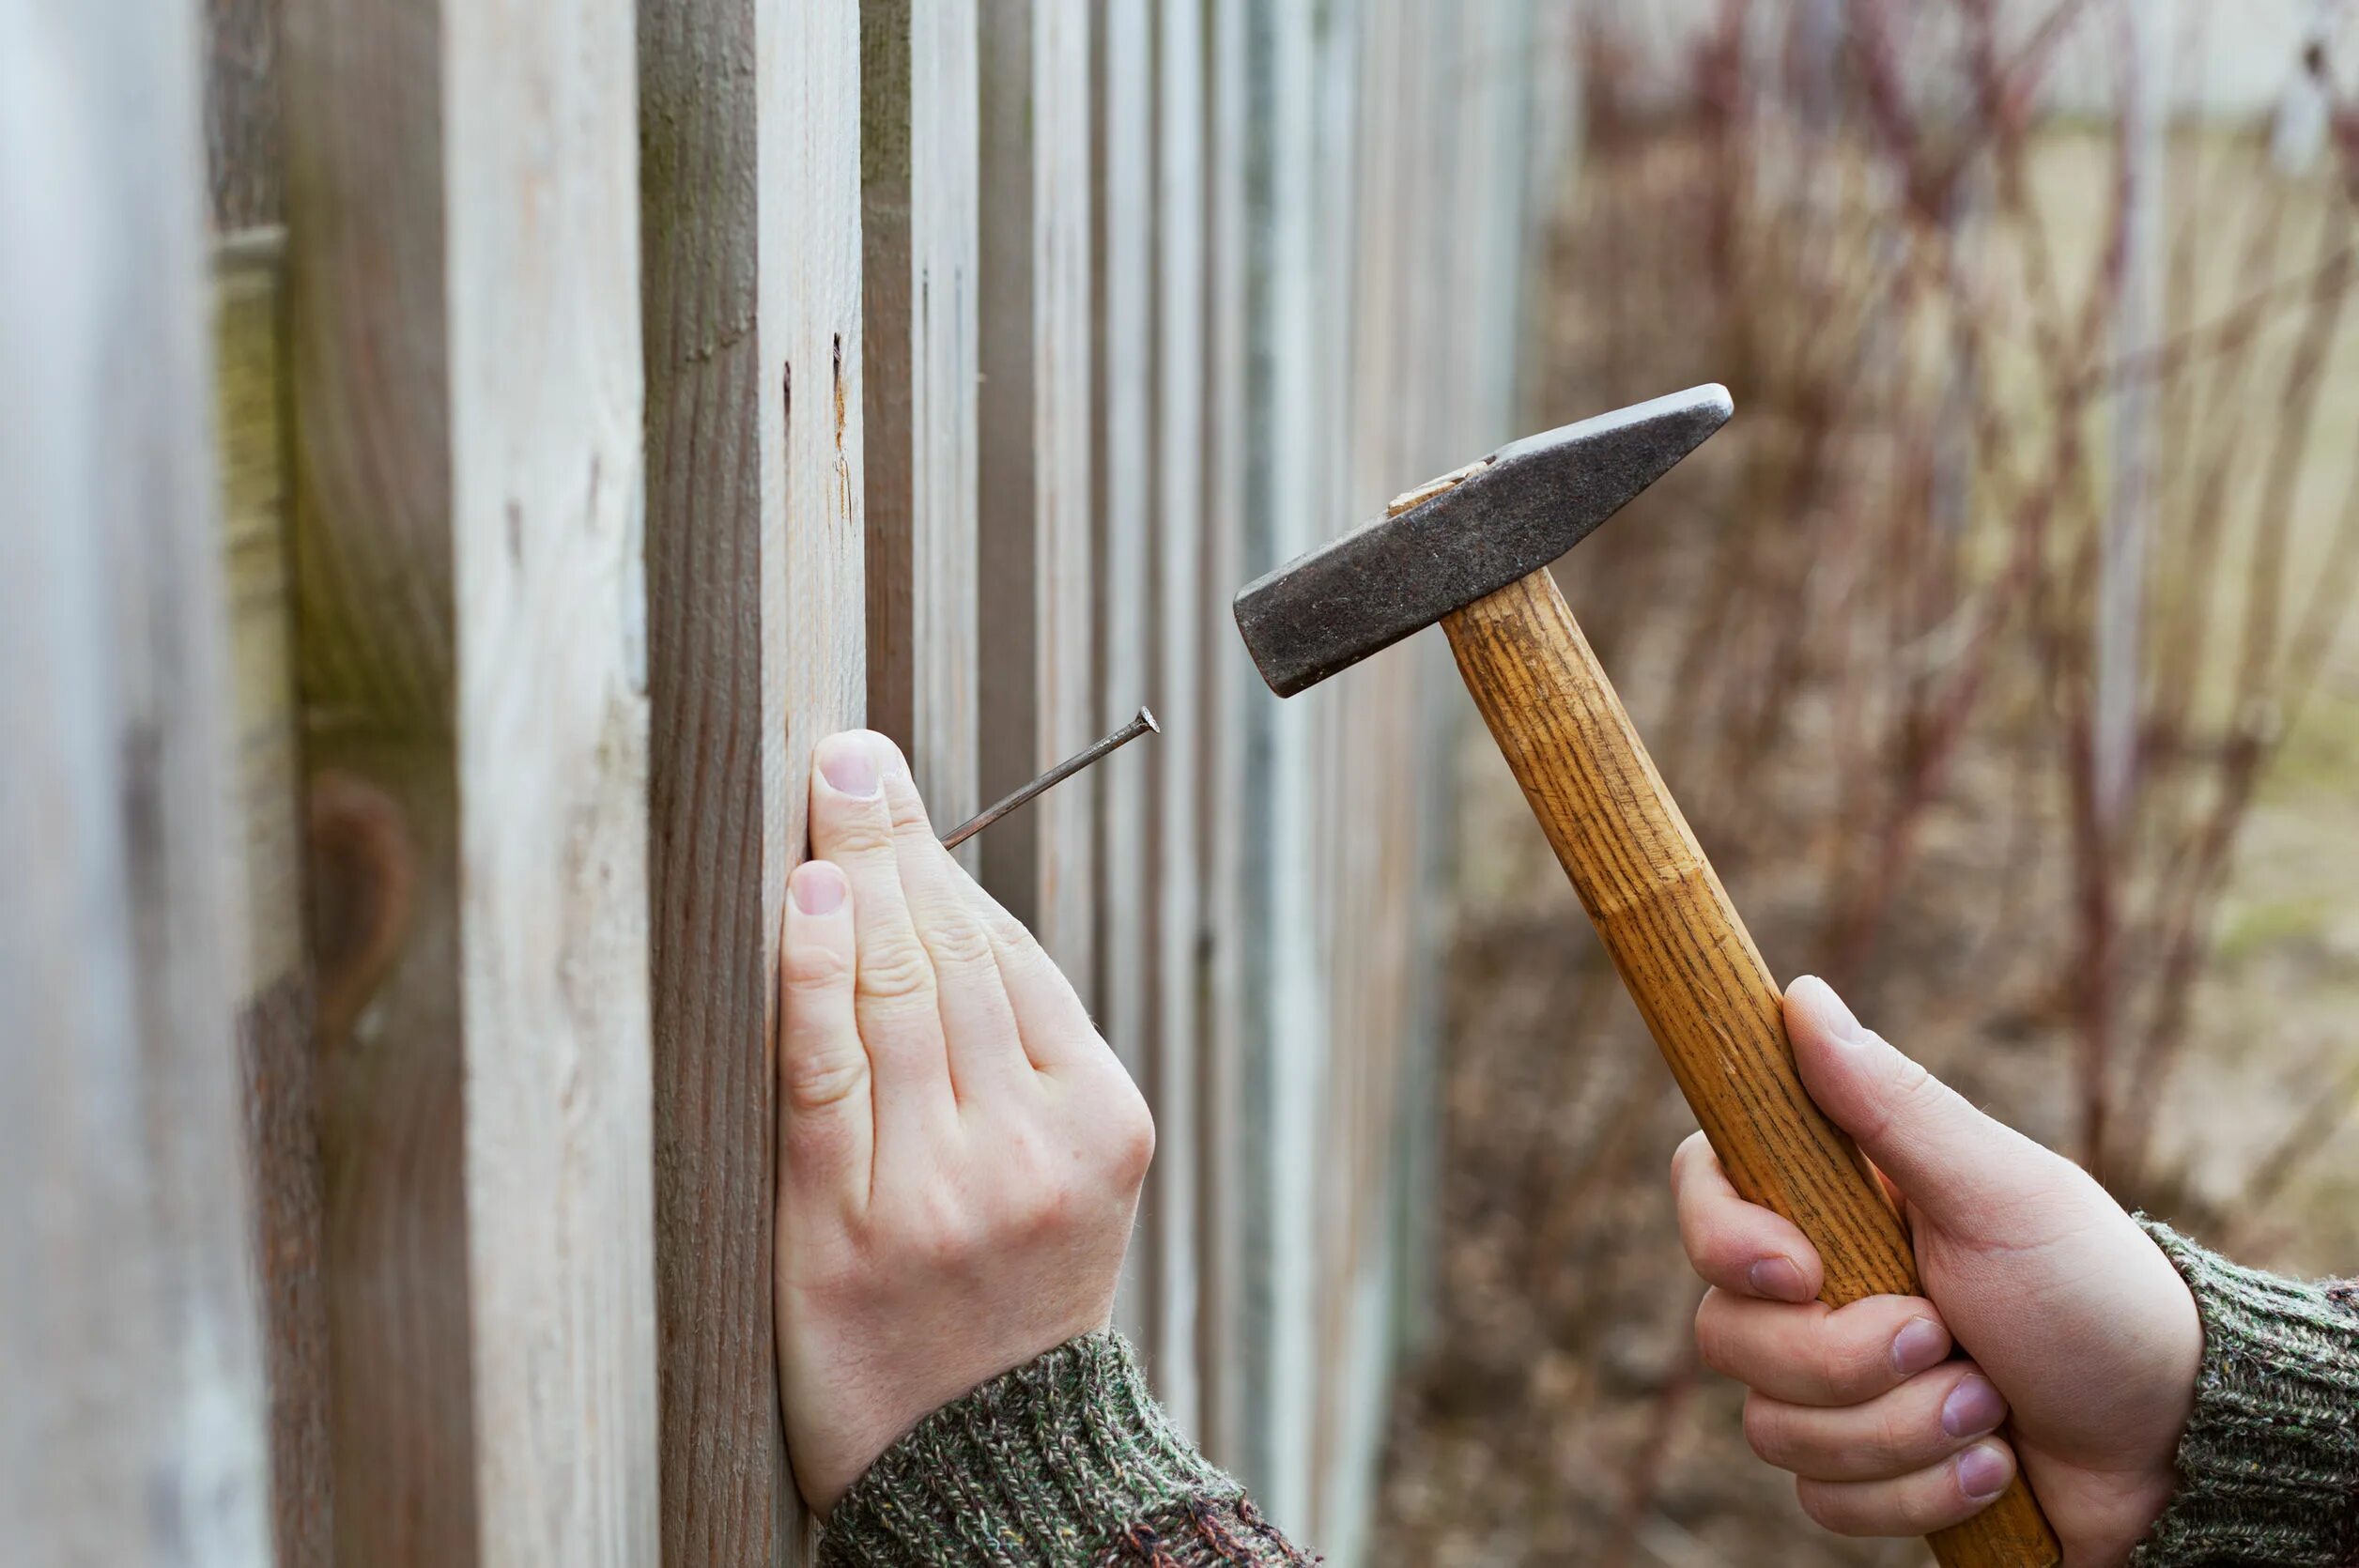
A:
x: 1777, y: 1279
x: 1984, y: 1471
x: 848, y: 764
x: 1919, y: 1347
x: 1972, y: 1408
x: 818, y: 886
x: 1840, y: 1020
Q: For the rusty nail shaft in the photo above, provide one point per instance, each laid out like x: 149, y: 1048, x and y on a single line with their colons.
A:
x: 1142, y: 723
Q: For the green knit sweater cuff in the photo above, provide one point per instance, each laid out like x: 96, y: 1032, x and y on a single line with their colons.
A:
x: 2269, y: 1465
x: 1043, y: 1465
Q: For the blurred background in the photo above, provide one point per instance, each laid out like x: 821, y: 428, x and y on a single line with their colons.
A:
x: 1999, y: 652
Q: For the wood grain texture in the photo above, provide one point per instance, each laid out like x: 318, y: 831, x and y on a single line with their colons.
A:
x: 1229, y: 688
x: 135, y: 1430
x: 811, y: 251
x: 244, y: 173
x: 1182, y: 625
x: 919, y: 233
x: 1287, y: 1043
x: 1035, y: 560
x: 811, y: 237
x: 1693, y: 969
x: 1124, y: 216
x: 467, y: 369
x: 274, y: 1012
x: 717, y: 630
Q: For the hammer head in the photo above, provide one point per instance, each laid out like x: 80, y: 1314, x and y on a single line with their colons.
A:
x: 1515, y: 512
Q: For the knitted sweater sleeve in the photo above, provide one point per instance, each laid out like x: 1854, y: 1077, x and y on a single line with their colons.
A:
x: 2269, y: 1465
x: 1065, y: 1462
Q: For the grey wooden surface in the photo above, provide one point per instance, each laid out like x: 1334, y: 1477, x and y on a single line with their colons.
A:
x: 467, y: 386
x: 133, y: 1429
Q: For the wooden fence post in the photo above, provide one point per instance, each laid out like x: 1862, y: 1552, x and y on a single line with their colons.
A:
x: 462, y: 200
x: 1182, y: 627
x: 1123, y: 213
x: 1228, y: 687
x: 245, y: 170
x: 274, y: 1012
x: 919, y: 169
x: 721, y: 789
x: 1036, y: 645
x: 127, y: 1339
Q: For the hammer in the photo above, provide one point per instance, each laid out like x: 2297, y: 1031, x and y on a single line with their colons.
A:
x: 1472, y: 550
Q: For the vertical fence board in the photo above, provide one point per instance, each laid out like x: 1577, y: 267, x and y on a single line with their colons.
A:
x: 465, y: 358
x: 717, y: 625
x: 274, y: 1006
x: 372, y: 465
x: 245, y: 180
x: 1180, y: 610
x: 1287, y: 1042
x: 1035, y: 572
x: 1222, y: 761
x: 135, y: 1425
x: 812, y: 237
x: 1123, y: 210
x: 244, y: 173
x: 547, y: 564
x: 919, y: 221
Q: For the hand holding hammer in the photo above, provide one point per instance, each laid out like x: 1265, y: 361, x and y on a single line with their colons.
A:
x: 1472, y: 551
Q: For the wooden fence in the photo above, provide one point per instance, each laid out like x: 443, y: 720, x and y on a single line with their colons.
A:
x: 581, y: 410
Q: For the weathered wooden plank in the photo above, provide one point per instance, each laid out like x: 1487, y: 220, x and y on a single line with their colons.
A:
x: 1034, y: 566
x: 1229, y: 689
x: 717, y: 629
x: 468, y: 380
x: 1287, y: 1040
x: 136, y: 1426
x: 811, y: 260
x: 1183, y: 624
x: 813, y: 235
x: 244, y: 172
x: 920, y: 232
x: 275, y: 1001
x: 1123, y: 214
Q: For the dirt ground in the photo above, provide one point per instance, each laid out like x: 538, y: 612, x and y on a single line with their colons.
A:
x: 1555, y: 1415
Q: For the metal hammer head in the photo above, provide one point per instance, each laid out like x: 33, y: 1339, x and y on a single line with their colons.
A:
x: 1512, y: 514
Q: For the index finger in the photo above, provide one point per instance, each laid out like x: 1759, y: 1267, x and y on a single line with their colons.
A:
x: 1739, y: 1247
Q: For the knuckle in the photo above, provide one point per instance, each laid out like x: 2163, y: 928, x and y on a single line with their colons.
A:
x: 906, y: 813
x: 956, y: 945
x: 1711, y: 1334
x: 1130, y: 1138
x: 1765, y: 1431
x: 812, y: 966
x: 895, y: 971
x: 856, y: 828
x: 1820, y: 1502
x: 1840, y: 1369
x: 1888, y: 1442
x: 820, y: 1079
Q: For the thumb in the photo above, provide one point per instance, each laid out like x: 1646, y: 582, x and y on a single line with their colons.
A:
x: 1951, y: 1162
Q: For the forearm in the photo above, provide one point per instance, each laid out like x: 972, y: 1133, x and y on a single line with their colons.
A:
x: 2269, y: 1467
x: 1065, y: 1461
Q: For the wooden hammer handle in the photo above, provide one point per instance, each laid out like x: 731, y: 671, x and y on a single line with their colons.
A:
x: 1694, y: 972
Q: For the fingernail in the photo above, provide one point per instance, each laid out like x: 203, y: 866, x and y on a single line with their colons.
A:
x: 1984, y: 1471
x: 1840, y: 1020
x: 1777, y: 1279
x: 818, y: 887
x: 848, y: 764
x: 1919, y: 1347
x: 1972, y: 1408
